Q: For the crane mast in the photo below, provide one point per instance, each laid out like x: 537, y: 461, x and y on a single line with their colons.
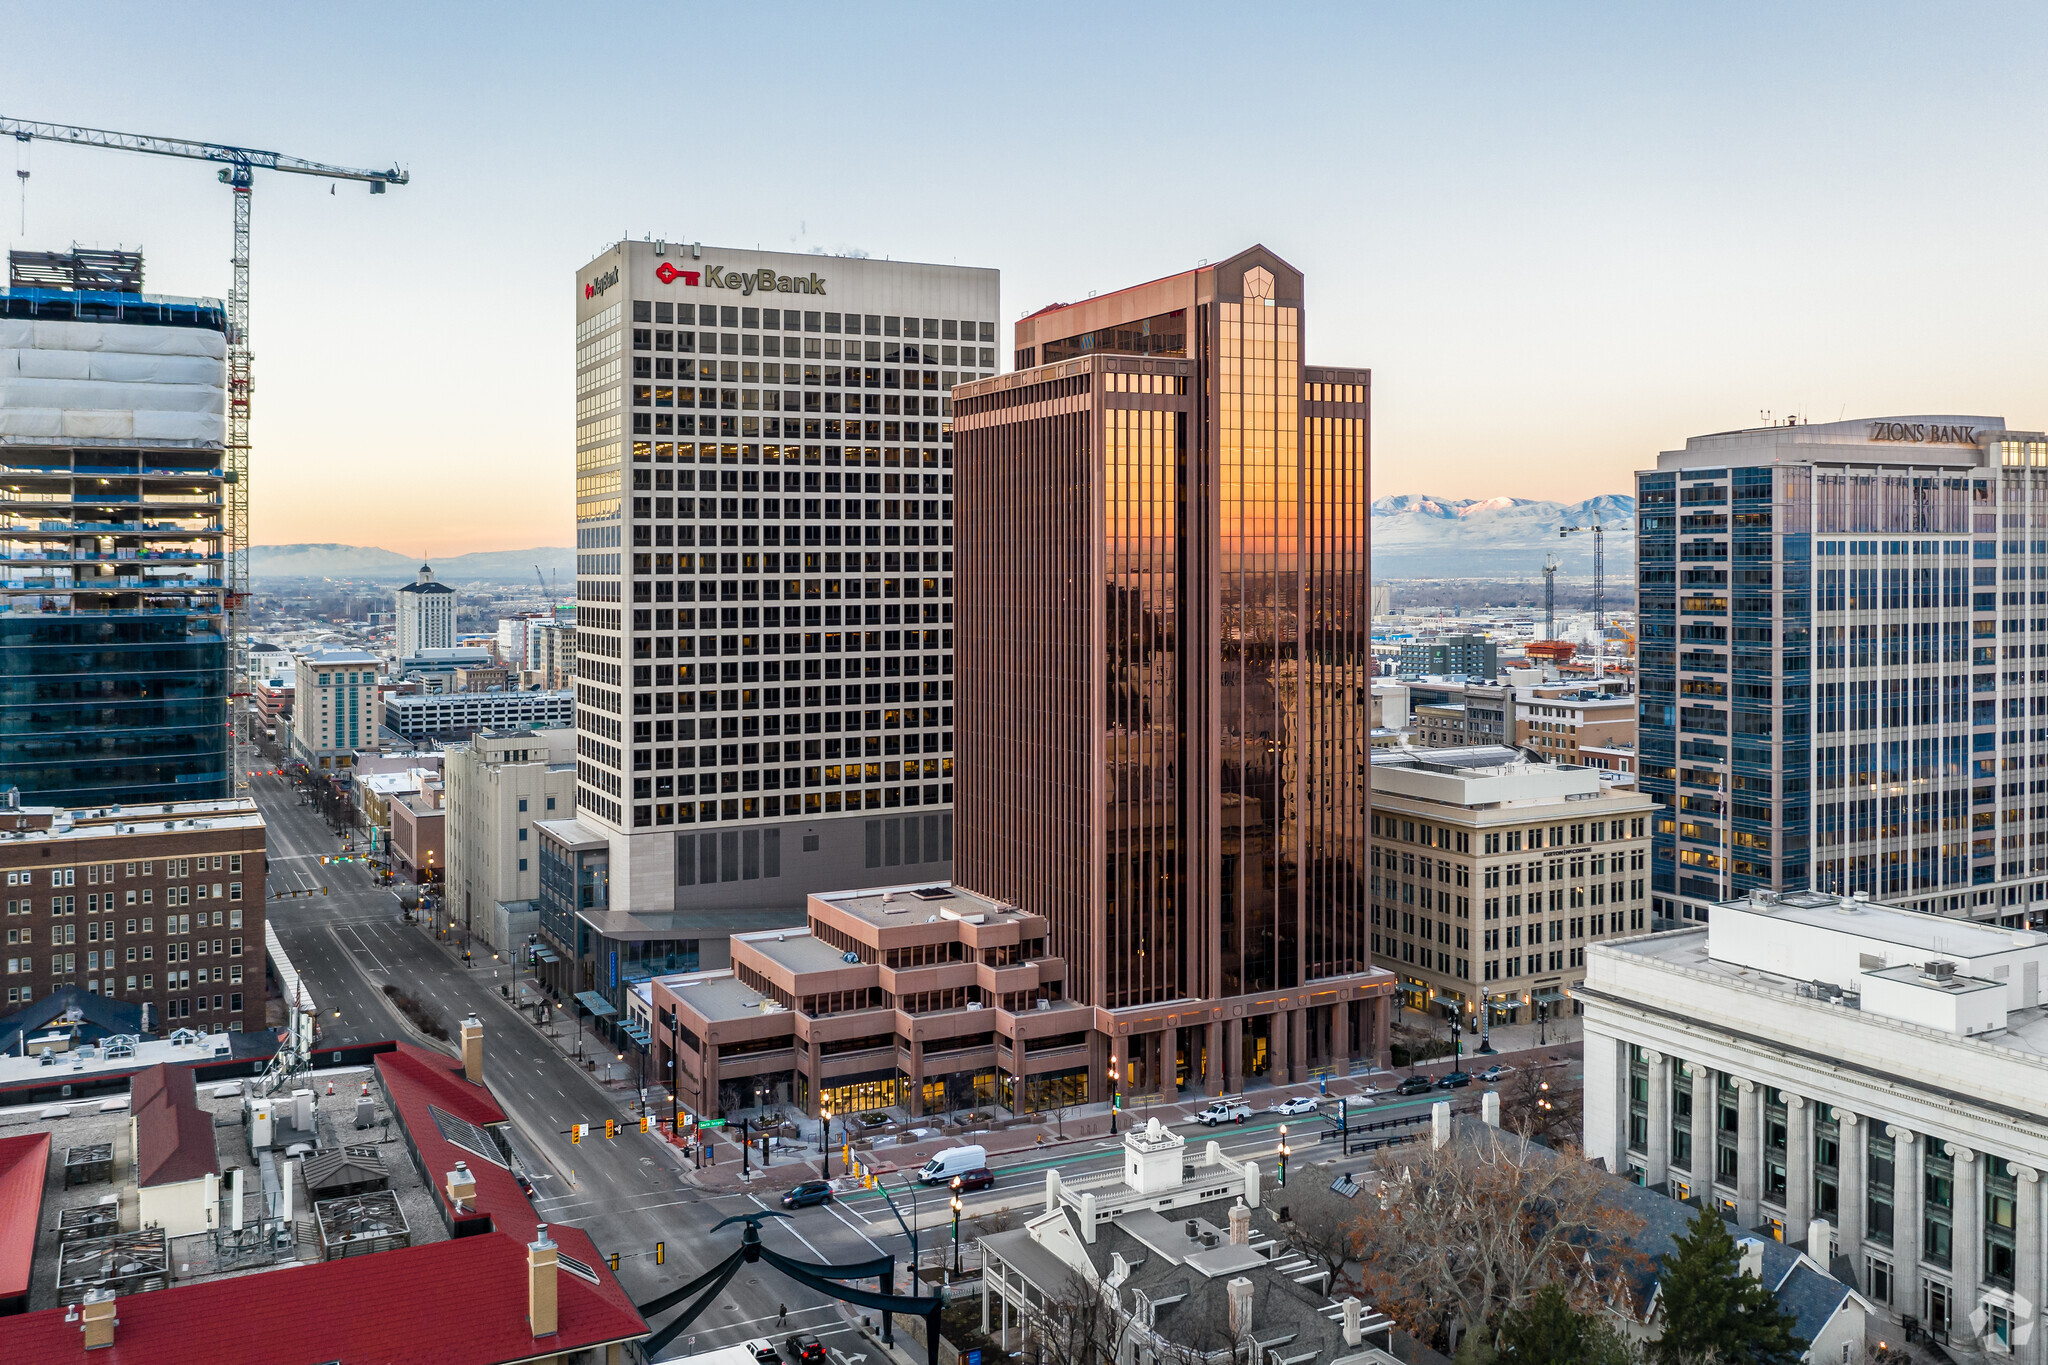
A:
x: 238, y: 173
x: 1599, y: 587
x: 1550, y: 597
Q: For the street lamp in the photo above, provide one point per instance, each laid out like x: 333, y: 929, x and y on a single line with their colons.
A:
x: 956, y: 1227
x: 1486, y: 1023
x: 1285, y: 1152
x: 1115, y: 1093
x: 825, y: 1134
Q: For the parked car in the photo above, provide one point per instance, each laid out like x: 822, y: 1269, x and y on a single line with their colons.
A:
x: 1492, y: 1073
x: 808, y: 1193
x: 805, y: 1350
x: 1224, y: 1111
x: 764, y: 1353
x: 1300, y: 1104
x: 1454, y: 1080
x: 980, y: 1178
x: 1415, y: 1085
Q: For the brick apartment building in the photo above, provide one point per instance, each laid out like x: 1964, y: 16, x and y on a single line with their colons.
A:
x: 160, y: 905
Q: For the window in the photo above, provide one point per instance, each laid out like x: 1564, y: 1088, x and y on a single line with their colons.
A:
x: 522, y: 808
x: 522, y: 864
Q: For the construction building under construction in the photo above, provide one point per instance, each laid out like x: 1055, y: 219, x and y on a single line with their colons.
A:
x: 113, y: 547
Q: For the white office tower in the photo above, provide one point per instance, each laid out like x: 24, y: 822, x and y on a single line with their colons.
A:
x: 764, y: 573
x: 426, y: 615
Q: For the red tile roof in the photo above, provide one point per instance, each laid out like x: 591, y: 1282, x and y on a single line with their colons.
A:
x: 460, y: 1302
x: 24, y: 1161
x: 173, y: 1135
x: 415, y: 1078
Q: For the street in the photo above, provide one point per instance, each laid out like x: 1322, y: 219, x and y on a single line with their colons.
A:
x: 631, y: 1191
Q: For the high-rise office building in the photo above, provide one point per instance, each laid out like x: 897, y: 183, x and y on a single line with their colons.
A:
x: 426, y: 615
x: 1842, y: 676
x: 111, y: 435
x: 765, y: 571
x: 1163, y: 635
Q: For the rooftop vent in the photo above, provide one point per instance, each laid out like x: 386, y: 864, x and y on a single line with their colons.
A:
x: 1942, y: 973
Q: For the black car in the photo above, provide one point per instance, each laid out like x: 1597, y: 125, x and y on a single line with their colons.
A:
x: 810, y: 1192
x: 1454, y: 1080
x: 805, y: 1350
x: 1415, y: 1085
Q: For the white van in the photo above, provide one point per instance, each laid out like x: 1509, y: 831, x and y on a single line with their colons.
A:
x: 945, y: 1165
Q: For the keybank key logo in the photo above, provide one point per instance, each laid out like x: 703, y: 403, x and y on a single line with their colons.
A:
x: 668, y: 274
x: 596, y: 287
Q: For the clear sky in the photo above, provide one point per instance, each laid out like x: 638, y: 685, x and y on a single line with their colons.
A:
x: 1563, y: 236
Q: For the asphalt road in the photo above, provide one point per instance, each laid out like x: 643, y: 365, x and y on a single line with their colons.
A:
x: 630, y: 1192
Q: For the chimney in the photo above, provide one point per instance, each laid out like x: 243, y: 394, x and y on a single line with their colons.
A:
x: 1439, y: 1124
x: 1240, y: 1291
x: 1489, y: 1108
x: 473, y: 1049
x: 1088, y: 1218
x: 462, y: 1188
x: 99, y: 1318
x: 1354, y: 1322
x: 1052, y: 1190
x: 1820, y: 1241
x: 1240, y: 1225
x: 540, y: 1283
x: 1752, y: 1257
x: 1251, y: 1183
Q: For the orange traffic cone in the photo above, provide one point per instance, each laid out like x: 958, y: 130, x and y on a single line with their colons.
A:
x: 330, y: 1087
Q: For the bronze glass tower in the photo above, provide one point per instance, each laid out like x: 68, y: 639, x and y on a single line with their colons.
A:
x: 1163, y: 723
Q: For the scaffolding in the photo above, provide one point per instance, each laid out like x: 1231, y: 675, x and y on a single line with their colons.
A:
x: 125, y: 1263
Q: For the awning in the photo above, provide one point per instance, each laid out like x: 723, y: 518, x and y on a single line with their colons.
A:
x: 636, y: 1033
x: 546, y: 954
x: 596, y: 1004
x: 1549, y: 997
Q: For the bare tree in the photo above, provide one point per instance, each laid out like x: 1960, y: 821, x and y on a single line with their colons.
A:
x: 1076, y: 1324
x: 1541, y: 1108
x: 1325, y: 1232
x: 1459, y: 1235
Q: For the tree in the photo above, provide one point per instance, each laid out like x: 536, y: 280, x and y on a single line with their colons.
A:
x: 1076, y: 1324
x: 1551, y: 1332
x: 1462, y: 1234
x: 1539, y: 1108
x: 1714, y: 1312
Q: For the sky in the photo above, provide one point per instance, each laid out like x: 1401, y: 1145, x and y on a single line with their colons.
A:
x: 1563, y: 237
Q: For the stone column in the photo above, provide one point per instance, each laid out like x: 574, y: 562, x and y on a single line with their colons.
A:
x: 1657, y: 1148
x: 708, y: 1088
x: 1277, y: 1029
x: 1382, y: 1040
x: 1849, y: 1230
x: 1905, y: 1219
x: 1605, y: 1098
x: 1966, y: 1239
x: 1748, y: 1153
x: 1340, y: 1038
x: 1233, y: 1056
x: 1297, y: 1044
x: 1798, y: 1168
x: 914, y: 1101
x: 1703, y: 1120
x: 2026, y: 1279
x: 1212, y: 1070
x: 1161, y: 1065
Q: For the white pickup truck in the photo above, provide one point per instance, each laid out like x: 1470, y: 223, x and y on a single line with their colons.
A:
x: 1224, y: 1111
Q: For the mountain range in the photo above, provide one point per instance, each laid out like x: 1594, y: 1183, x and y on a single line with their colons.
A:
x: 379, y: 565
x: 1416, y: 535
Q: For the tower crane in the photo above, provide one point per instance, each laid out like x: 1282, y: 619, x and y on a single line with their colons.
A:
x: 238, y: 172
x: 1599, y: 587
x: 1550, y: 597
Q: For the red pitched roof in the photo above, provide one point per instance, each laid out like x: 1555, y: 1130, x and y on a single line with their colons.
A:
x: 24, y: 1161
x: 460, y: 1302
x: 173, y: 1135
x: 416, y: 1078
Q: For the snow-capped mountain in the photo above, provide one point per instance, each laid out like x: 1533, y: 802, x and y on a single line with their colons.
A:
x: 1415, y: 535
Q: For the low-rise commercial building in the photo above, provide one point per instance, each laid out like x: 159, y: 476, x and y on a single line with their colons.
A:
x: 1559, y: 723
x: 1859, y: 1078
x: 498, y: 786
x: 1471, y: 656
x: 159, y: 905
x: 419, y: 834
x: 1492, y: 874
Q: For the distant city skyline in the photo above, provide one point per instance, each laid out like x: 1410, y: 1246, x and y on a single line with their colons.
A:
x: 1563, y: 240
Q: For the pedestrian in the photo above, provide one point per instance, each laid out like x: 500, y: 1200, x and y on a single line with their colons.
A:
x: 781, y: 1314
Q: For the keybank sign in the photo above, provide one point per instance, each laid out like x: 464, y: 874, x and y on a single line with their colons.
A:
x: 595, y: 288
x: 763, y: 281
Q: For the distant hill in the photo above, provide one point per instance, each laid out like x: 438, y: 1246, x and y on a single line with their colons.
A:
x: 1418, y: 536
x: 378, y: 565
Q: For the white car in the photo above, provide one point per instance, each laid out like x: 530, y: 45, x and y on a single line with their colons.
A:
x: 1300, y: 1104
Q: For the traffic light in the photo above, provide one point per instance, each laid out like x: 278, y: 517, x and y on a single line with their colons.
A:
x: 661, y: 1253
x: 611, y: 1129
x: 646, y: 1124
x: 576, y: 1132
x: 615, y: 1262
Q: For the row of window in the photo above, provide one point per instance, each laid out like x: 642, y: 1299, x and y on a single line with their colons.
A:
x: 1409, y: 831
x: 21, y: 995
x: 96, y: 901
x: 173, y: 952
x: 96, y: 873
x: 800, y: 320
x: 806, y: 348
x: 750, y: 755
x: 772, y: 779
x: 770, y: 480
x: 812, y: 803
x: 788, y: 509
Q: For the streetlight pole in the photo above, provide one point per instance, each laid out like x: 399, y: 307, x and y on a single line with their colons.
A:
x: 825, y: 1135
x: 1115, y: 1092
x: 1285, y: 1152
x: 1486, y: 1023
x: 956, y: 1227
x: 746, y: 1149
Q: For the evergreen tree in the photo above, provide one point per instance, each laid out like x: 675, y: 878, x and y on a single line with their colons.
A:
x: 1551, y: 1332
x: 1714, y: 1312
